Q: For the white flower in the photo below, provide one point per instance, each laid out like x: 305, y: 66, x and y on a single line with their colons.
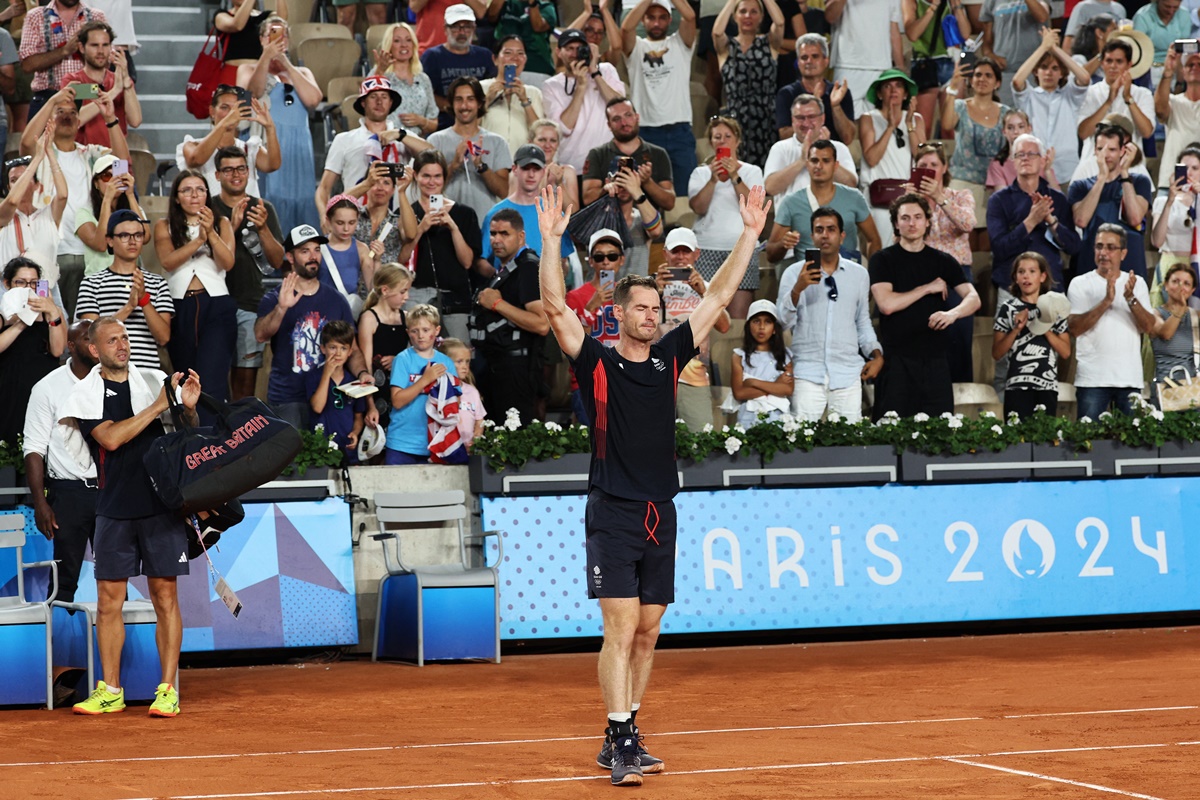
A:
x: 1059, y: 435
x: 1039, y: 407
x: 808, y: 432
x: 988, y: 414
x: 1158, y: 415
x: 953, y: 423
x: 1085, y: 419
x: 739, y: 428
x: 708, y: 428
x: 488, y: 424
x: 724, y: 429
x: 512, y: 424
x: 915, y: 434
x: 996, y: 429
x: 833, y: 417
x: 1105, y: 414
x: 791, y: 438
x: 732, y: 445
x: 946, y: 415
x: 320, y: 427
x: 958, y: 416
x: 553, y: 427
x: 332, y: 443
x: 1136, y: 422
x: 921, y: 416
x: 679, y: 421
x: 890, y: 415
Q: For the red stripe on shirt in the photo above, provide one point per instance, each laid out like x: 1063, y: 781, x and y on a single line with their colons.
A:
x: 600, y: 395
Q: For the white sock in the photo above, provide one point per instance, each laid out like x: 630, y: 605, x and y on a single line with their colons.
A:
x: 114, y: 690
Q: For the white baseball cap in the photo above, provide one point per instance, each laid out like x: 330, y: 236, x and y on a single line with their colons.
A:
x: 681, y: 237
x: 370, y: 443
x: 605, y: 234
x: 459, y: 12
x: 762, y: 307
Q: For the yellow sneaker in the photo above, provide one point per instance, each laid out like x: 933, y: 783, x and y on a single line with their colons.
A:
x: 101, y: 701
x: 166, y: 701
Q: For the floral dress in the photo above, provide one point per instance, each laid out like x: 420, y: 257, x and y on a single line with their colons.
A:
x: 974, y: 145
x: 749, y: 80
x: 415, y: 98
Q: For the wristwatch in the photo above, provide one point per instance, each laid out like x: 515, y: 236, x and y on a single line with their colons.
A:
x: 639, y: 200
x: 482, y: 168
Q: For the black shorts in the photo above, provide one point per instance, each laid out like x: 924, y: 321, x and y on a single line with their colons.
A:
x: 630, y: 548
x: 152, y: 546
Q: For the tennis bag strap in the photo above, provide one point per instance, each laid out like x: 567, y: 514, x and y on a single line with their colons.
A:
x: 202, y: 468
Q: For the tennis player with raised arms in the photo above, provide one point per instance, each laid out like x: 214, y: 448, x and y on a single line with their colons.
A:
x: 629, y: 393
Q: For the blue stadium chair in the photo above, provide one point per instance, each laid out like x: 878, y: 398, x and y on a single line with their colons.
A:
x: 434, y: 612
x: 25, y: 627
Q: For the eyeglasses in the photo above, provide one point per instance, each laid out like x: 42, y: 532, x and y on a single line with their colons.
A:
x: 288, y: 97
x: 832, y: 284
x: 1111, y: 248
x: 600, y: 258
x: 242, y: 170
x: 899, y: 137
x: 126, y: 237
x: 807, y: 117
x: 21, y: 283
x: 191, y: 191
x: 1024, y: 154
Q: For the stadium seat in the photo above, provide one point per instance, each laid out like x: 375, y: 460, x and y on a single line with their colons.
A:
x: 136, y: 141
x: 375, y: 37
x: 300, y: 32
x: 341, y: 88
x: 25, y: 626
x: 144, y: 166
x: 441, y: 612
x: 329, y: 58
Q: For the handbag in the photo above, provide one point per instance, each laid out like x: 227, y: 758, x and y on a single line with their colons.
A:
x: 206, y: 74
x: 925, y: 68
x: 201, y: 469
x: 884, y: 190
x: 1174, y: 395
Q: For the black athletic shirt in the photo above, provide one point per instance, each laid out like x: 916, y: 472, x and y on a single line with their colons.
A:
x: 632, y: 408
x: 907, y: 332
x: 125, y: 488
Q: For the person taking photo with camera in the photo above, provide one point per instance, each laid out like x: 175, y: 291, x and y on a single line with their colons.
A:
x: 577, y: 97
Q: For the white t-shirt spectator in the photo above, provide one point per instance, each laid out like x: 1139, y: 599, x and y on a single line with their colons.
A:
x: 120, y: 16
x: 77, y: 170
x: 467, y: 186
x: 1110, y: 354
x: 862, y: 45
x: 784, y: 152
x: 660, y: 80
x: 1183, y: 127
x: 348, y: 154
x: 38, y: 233
x: 249, y: 146
x: 720, y: 228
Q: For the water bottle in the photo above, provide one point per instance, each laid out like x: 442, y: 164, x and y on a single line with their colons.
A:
x: 253, y: 246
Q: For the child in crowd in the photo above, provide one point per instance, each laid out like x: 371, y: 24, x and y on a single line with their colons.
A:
x: 470, y: 406
x: 413, y: 371
x: 341, y: 416
x: 762, y: 366
x: 382, y: 331
x: 1037, y: 343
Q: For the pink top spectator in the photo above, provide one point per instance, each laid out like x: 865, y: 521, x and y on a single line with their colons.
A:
x: 45, y: 30
x: 1001, y: 175
x: 470, y: 411
x: 952, y: 224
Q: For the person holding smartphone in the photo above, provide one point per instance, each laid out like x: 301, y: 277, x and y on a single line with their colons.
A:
x: 577, y: 96
x: 1174, y: 217
x: 29, y: 351
x: 512, y: 106
x: 105, y: 67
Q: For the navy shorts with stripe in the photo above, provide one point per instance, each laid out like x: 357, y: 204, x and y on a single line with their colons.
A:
x: 630, y: 548
x: 153, y: 546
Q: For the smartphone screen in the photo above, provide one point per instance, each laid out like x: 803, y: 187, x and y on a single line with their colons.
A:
x: 608, y: 280
x: 1180, y: 172
x: 813, y: 257
x: 625, y: 162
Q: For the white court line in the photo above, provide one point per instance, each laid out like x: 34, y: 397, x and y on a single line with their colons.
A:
x: 961, y: 758
x: 391, y: 748
x: 1043, y: 777
x: 1112, y: 711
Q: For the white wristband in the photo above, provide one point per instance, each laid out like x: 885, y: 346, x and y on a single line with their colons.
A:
x: 952, y: 92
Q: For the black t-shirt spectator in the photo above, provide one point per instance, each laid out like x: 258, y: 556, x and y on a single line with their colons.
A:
x: 125, y: 488
x: 245, y: 279
x: 602, y: 161
x: 436, y: 262
x: 907, y: 332
x: 632, y: 405
x: 787, y: 95
x: 519, y: 288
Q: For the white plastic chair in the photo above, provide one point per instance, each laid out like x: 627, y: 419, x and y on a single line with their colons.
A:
x: 17, y: 667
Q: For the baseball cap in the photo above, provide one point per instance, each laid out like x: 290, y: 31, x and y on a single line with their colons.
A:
x: 605, y: 234
x: 529, y: 154
x: 762, y: 307
x: 303, y: 234
x: 664, y: 3
x: 103, y: 162
x: 123, y: 215
x: 459, y: 12
x: 370, y: 443
x: 681, y: 237
x: 571, y: 36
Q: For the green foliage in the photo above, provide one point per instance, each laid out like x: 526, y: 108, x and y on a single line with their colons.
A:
x: 317, y: 449
x: 511, y: 444
x: 13, y: 455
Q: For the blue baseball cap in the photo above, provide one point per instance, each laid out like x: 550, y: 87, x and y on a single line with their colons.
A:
x: 123, y: 215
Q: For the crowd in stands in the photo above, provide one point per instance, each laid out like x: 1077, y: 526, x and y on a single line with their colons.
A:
x: 932, y: 164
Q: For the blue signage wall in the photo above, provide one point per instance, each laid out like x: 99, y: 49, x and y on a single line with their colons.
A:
x: 763, y: 559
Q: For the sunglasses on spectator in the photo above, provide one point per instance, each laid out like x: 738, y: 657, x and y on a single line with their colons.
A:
x: 600, y: 258
x: 832, y: 284
x: 23, y: 161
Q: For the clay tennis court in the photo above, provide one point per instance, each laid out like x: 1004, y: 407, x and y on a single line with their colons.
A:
x: 1062, y: 715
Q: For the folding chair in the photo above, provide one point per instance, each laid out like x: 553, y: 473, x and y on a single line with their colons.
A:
x: 26, y: 670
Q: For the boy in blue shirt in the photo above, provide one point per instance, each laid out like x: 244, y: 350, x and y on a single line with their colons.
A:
x: 413, y: 371
x: 341, y: 416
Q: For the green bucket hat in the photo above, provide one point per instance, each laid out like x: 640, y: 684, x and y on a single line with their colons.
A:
x: 890, y: 75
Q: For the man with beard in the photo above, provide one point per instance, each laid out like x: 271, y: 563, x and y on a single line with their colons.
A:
x: 247, y: 215
x: 348, y: 152
x: 95, y: 40
x: 478, y: 160
x: 114, y: 413
x: 291, y: 318
x: 812, y: 61
x: 50, y: 46
x: 457, y: 58
x: 77, y: 161
x: 659, y: 79
x: 652, y: 163
x: 628, y: 392
x: 1110, y: 310
x: 508, y: 326
x: 138, y: 299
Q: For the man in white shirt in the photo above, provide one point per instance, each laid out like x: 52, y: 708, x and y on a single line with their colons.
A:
x: 660, y: 78
x: 577, y: 96
x: 63, y: 490
x: 1110, y: 311
x: 1116, y: 94
x: 227, y: 114
x: 866, y: 41
x: 1179, y: 112
x: 786, y: 170
x: 375, y: 138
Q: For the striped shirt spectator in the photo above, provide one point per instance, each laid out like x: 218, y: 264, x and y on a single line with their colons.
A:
x: 107, y: 292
